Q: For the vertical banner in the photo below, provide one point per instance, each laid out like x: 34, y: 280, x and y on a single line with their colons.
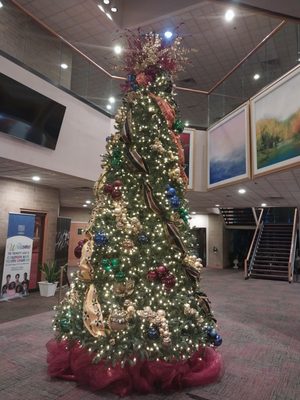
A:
x: 18, y: 253
x: 62, y: 243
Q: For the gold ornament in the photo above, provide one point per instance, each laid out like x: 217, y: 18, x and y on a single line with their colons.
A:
x: 122, y: 289
x: 127, y: 244
x: 157, y: 146
x: 85, y: 267
x: 158, y: 319
x: 92, y: 314
x: 117, y: 320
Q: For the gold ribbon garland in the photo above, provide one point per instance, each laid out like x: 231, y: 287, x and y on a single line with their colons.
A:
x: 92, y: 314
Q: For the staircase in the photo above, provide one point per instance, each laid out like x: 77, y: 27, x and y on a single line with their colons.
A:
x: 271, y: 257
x: 234, y: 217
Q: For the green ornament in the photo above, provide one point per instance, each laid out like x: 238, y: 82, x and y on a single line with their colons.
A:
x: 107, y: 268
x: 64, y: 324
x: 120, y: 276
x: 178, y: 126
x: 105, y: 262
x: 183, y: 212
x: 115, y: 262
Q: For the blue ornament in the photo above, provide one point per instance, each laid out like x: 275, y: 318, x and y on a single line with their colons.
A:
x: 175, y: 201
x: 153, y: 333
x: 143, y: 239
x: 134, y: 86
x: 218, y: 340
x: 171, y: 192
x: 213, y: 333
x: 100, y: 239
x: 131, y: 78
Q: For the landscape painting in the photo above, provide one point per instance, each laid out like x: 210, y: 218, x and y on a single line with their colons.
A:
x: 228, y: 149
x: 186, y: 139
x: 275, y: 121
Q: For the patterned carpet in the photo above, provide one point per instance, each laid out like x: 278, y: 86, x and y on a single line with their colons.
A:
x: 259, y: 322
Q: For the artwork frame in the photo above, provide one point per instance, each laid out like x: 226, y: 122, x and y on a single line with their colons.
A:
x: 229, y: 164
x: 275, y: 115
x: 187, y: 141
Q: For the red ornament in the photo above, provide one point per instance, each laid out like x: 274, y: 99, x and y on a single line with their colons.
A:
x: 152, y: 275
x: 117, y: 184
x: 169, y: 281
x: 161, y: 271
x: 116, y: 194
x: 108, y: 188
x: 78, y: 251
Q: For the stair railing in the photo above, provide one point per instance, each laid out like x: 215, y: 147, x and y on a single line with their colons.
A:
x: 253, y: 245
x: 293, y: 247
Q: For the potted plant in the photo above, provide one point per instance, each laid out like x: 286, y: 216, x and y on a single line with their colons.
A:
x: 51, y: 274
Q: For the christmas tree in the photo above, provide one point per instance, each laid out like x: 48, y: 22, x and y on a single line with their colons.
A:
x: 135, y: 318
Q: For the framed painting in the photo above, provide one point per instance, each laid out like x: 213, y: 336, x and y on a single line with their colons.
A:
x: 275, y: 125
x: 187, y: 141
x: 228, y: 149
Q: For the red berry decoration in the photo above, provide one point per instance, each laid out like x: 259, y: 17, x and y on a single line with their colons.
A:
x: 152, y: 275
x: 108, y: 188
x: 116, y: 194
x: 169, y: 281
x: 162, y: 271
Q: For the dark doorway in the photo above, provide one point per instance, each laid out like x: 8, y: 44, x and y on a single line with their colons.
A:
x: 200, y: 235
x: 37, y: 248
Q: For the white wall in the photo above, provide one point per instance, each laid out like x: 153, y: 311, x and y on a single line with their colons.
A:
x: 200, y: 161
x: 81, y: 139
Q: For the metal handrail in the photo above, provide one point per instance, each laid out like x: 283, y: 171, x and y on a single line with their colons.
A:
x: 246, y: 261
x: 61, y: 277
x: 293, y: 248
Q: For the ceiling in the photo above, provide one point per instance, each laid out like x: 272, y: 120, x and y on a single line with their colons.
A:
x: 216, y: 47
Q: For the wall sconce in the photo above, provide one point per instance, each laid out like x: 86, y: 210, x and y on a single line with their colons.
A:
x: 215, y: 249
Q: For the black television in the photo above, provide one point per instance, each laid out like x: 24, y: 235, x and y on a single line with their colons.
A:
x: 29, y: 115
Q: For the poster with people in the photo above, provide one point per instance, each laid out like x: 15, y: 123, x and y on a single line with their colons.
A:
x: 17, y: 259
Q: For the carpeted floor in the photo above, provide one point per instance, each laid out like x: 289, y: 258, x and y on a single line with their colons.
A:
x: 259, y: 322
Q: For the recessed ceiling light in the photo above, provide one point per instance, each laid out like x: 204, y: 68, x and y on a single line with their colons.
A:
x: 106, y: 1
x: 101, y: 8
x: 186, y: 123
x: 118, y: 49
x: 113, y: 9
x: 217, y: 205
x: 1, y: 4
x: 36, y: 178
x: 108, y: 106
x: 298, y: 59
x: 64, y: 66
x: 193, y: 212
x: 84, y: 205
x: 242, y: 191
x: 88, y: 201
x: 109, y: 16
x: 168, y: 34
x: 256, y: 76
x: 229, y: 15
x: 112, y: 100
x: 264, y: 204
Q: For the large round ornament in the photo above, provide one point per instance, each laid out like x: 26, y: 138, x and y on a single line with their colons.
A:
x: 143, y: 239
x: 161, y: 271
x: 116, y: 194
x: 175, y: 201
x: 108, y: 188
x: 171, y: 192
x: 178, y: 126
x: 153, y: 333
x: 115, y: 263
x: 117, y: 183
x: 120, y: 276
x: 78, y: 251
x: 100, y: 239
x: 218, y: 340
x: 64, y: 324
x: 169, y: 281
x: 152, y: 275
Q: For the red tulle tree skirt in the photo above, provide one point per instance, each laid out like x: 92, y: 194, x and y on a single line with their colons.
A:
x: 75, y: 363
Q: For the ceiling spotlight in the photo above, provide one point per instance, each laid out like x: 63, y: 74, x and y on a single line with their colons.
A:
x: 36, y: 178
x: 106, y: 1
x: 113, y: 9
x: 101, y: 8
x: 118, y: 49
x: 108, y: 106
x: 112, y: 100
x: 88, y: 201
x: 256, y: 76
x: 84, y: 205
x: 168, y: 34
x: 229, y: 15
x: 217, y: 205
x: 298, y: 59
x: 242, y: 191
x: 1, y: 4
x: 193, y: 212
x: 64, y: 66
x: 264, y: 204
x: 186, y: 123
x: 109, y: 16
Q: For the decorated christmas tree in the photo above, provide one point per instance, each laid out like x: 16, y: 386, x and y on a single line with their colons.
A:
x: 135, y: 318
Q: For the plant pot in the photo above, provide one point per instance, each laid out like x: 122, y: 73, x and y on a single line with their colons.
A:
x: 47, y: 289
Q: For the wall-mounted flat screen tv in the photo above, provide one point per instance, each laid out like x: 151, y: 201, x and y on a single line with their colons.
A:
x: 29, y: 115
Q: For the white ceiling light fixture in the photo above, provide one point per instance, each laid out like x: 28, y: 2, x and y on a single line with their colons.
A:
x: 118, y: 49
x: 112, y: 100
x: 108, y: 16
x: 193, y: 212
x: 36, y: 178
x: 229, y: 15
x: 88, y: 201
x: 1, y: 4
x: 256, y: 77
x: 242, y: 191
x: 217, y: 205
x: 168, y: 34
x: 64, y: 66
x: 106, y: 1
x: 108, y: 106
x: 101, y: 8
x: 114, y: 9
x: 186, y: 123
x: 264, y: 204
x: 84, y: 205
